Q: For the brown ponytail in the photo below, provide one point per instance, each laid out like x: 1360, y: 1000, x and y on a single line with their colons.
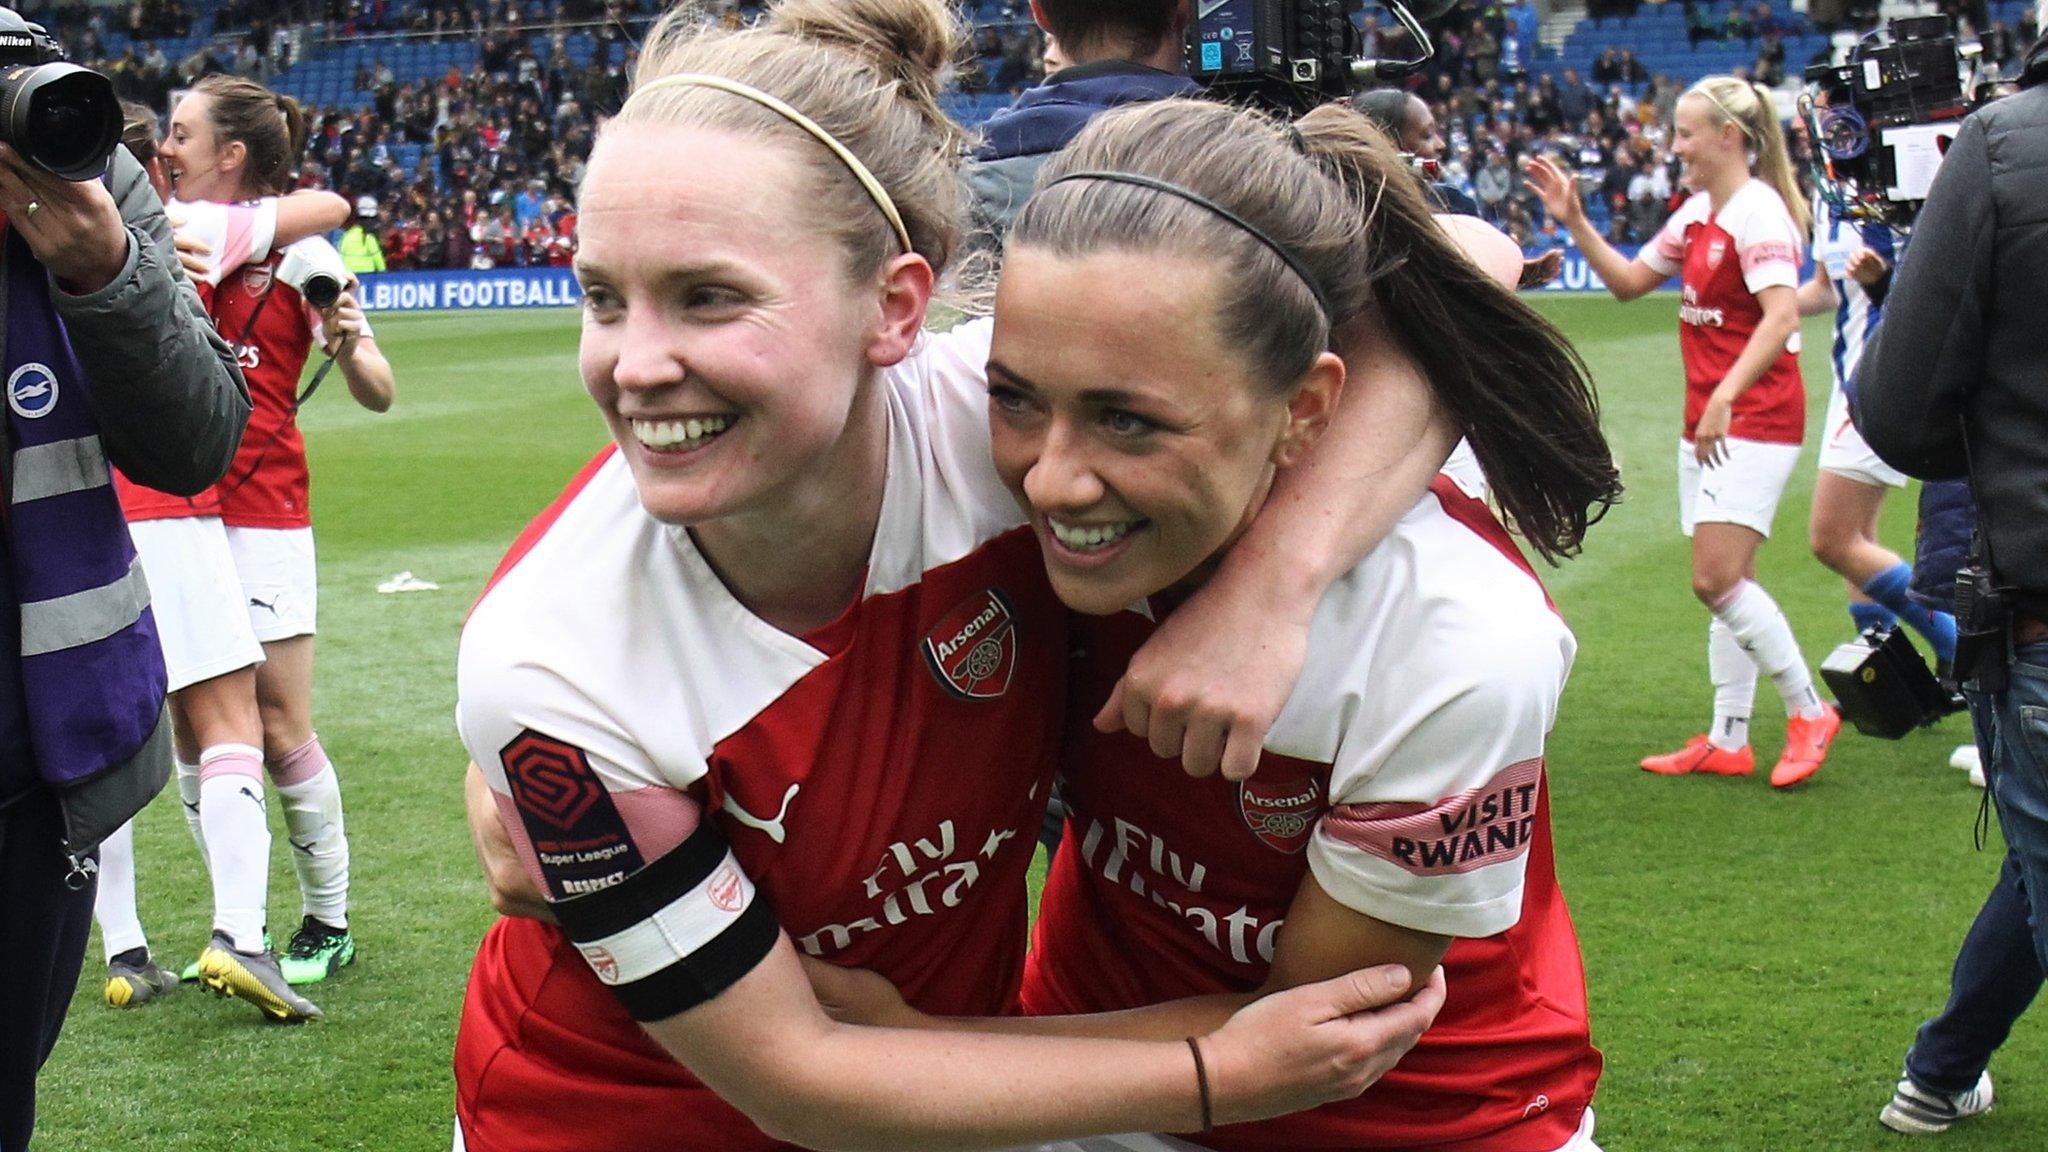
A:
x: 272, y: 128
x: 1512, y: 383
x: 1346, y: 207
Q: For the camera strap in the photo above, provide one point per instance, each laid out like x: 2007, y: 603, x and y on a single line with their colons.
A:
x: 298, y: 401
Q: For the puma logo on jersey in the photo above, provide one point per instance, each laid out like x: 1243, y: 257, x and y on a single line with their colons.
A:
x: 973, y: 650
x: 773, y: 828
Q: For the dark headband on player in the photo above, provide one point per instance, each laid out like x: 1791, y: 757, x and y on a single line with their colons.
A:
x: 1200, y: 201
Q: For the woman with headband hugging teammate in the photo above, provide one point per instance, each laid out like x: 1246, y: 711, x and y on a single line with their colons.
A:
x: 781, y: 673
x: 1400, y: 810
x: 1735, y: 247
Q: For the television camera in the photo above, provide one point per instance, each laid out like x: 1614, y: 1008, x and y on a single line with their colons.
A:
x: 1292, y: 55
x: 1880, y: 121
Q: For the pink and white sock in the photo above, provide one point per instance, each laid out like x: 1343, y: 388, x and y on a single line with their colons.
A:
x: 311, y: 793
x: 231, y: 813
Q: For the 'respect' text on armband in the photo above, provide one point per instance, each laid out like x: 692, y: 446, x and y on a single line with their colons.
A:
x: 676, y: 933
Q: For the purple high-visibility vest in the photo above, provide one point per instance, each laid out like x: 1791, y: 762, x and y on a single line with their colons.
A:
x: 91, y: 669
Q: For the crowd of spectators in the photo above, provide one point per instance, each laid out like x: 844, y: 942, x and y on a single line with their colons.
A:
x: 478, y: 169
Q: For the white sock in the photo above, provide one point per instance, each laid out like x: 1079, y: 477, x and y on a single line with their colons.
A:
x: 1734, y: 677
x: 114, y: 904
x: 311, y: 794
x: 237, y: 840
x: 1762, y: 630
x: 188, y: 799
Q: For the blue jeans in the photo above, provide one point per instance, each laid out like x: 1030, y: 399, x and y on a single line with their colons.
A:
x: 2003, y: 958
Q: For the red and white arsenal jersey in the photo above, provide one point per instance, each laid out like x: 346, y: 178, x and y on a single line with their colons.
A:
x: 881, y: 780
x: 1406, y: 775
x: 1723, y: 260
x: 235, y: 234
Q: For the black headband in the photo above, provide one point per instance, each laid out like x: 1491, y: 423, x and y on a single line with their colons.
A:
x: 1315, y: 288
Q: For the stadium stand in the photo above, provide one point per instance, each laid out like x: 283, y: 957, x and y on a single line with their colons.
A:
x: 469, y: 120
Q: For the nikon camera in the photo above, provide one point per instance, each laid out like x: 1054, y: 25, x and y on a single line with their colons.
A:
x: 63, y: 118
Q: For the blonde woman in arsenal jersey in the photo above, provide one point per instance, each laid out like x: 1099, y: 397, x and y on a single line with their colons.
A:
x: 1400, y: 809
x: 1735, y: 246
x: 779, y: 677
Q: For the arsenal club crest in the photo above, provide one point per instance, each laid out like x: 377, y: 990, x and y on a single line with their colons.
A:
x: 1717, y: 250
x: 973, y: 651
x: 1281, y: 807
x: 256, y: 279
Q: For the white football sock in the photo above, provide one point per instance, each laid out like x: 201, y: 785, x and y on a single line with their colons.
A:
x: 188, y: 799
x: 114, y: 904
x: 1762, y: 630
x: 311, y: 794
x: 1734, y: 677
x: 237, y: 840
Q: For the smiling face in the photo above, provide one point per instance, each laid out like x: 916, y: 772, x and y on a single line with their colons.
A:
x: 197, y: 164
x: 1709, y: 151
x: 1138, y: 441
x: 722, y: 338
x: 1419, y: 134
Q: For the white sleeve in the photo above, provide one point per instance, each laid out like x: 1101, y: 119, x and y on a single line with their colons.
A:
x: 1665, y: 253
x: 1767, y: 242
x: 1435, y: 788
x: 235, y: 234
x: 657, y: 904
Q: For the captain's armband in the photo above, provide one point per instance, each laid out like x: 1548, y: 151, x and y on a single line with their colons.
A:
x: 676, y: 933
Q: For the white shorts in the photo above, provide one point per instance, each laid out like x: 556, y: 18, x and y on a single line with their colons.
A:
x: 1743, y: 489
x: 196, y: 598
x: 278, y: 580
x: 1581, y: 1141
x: 1844, y: 453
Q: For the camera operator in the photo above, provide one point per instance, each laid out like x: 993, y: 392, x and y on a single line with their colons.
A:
x: 1956, y: 384
x: 1124, y: 52
x: 109, y: 359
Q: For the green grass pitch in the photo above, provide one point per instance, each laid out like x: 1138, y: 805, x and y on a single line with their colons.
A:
x: 1757, y: 961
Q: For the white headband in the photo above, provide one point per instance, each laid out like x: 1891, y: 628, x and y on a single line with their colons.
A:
x: 860, y: 171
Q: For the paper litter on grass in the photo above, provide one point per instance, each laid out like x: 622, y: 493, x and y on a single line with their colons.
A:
x: 407, y: 582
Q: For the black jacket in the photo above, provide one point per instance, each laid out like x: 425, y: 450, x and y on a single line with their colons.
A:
x: 1964, y: 342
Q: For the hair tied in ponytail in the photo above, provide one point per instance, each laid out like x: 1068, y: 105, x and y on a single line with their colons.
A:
x: 1293, y: 261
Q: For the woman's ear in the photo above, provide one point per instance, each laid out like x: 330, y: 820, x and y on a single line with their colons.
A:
x: 233, y: 155
x: 903, y: 295
x: 1309, y: 412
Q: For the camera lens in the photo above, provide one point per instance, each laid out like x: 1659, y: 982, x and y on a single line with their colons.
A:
x: 62, y: 117
x: 321, y: 290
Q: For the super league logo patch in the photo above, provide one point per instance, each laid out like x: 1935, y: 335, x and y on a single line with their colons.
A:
x: 1281, y: 807
x: 578, y: 836
x: 973, y: 650
x: 550, y: 779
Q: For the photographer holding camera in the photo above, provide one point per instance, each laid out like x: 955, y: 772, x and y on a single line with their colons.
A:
x: 1957, y: 384
x: 108, y: 359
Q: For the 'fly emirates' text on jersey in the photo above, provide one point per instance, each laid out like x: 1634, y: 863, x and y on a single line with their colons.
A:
x: 880, y: 781
x: 1406, y: 776
x: 273, y: 331
x: 1722, y: 261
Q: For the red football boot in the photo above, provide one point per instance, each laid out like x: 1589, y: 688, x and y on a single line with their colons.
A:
x: 1700, y: 755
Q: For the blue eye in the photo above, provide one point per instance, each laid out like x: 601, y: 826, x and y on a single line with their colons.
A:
x: 1124, y: 423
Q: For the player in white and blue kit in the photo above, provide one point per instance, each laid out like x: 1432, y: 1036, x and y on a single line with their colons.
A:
x: 1852, y: 268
